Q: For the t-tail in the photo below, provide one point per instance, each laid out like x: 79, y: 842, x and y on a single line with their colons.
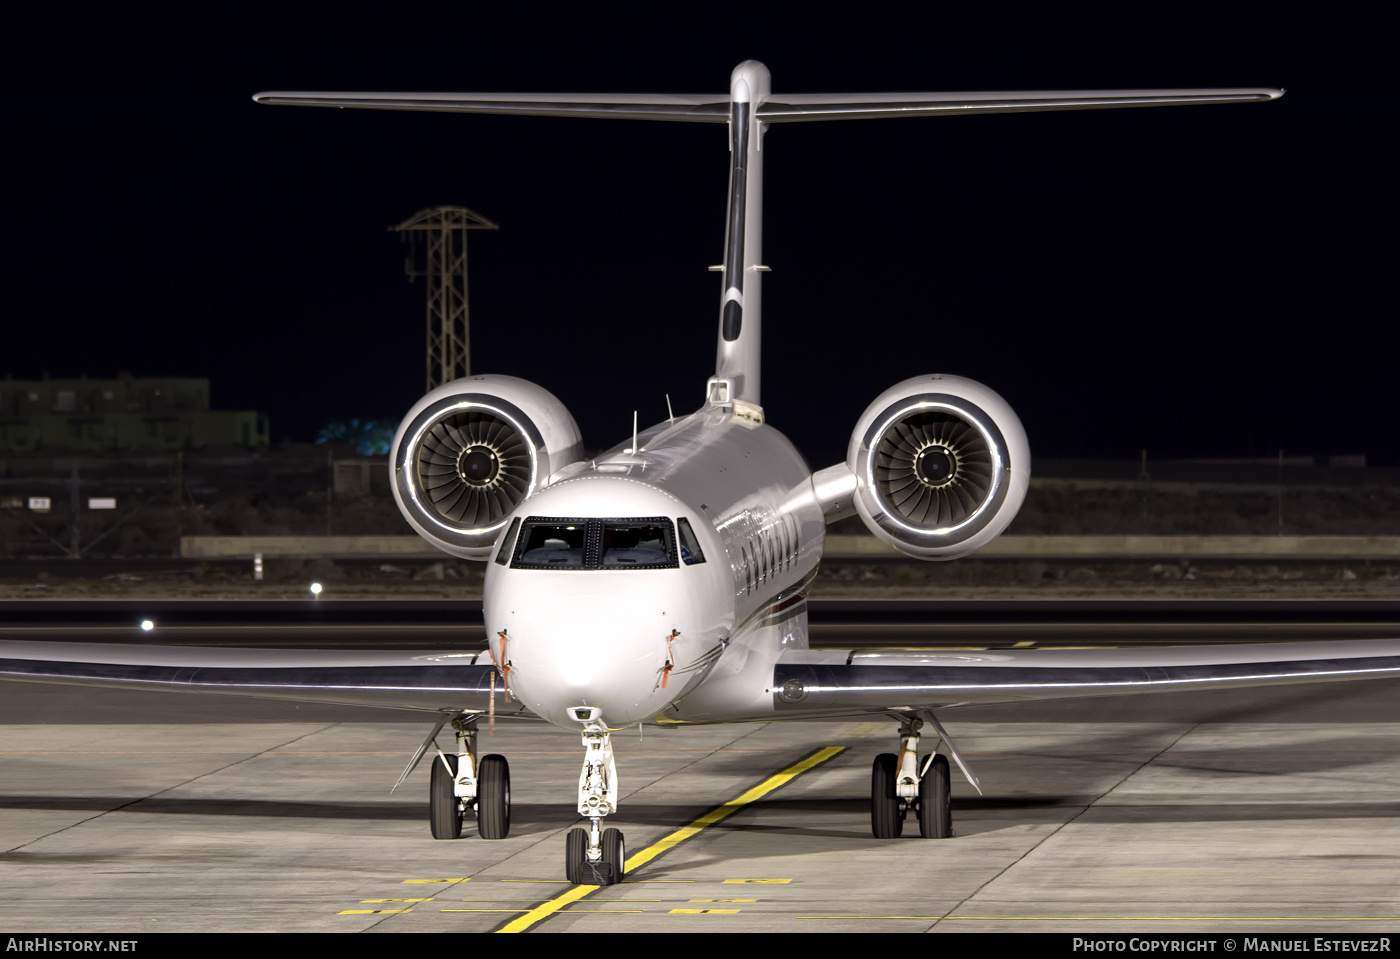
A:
x: 749, y: 108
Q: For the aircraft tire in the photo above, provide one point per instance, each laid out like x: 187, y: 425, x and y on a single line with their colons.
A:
x: 575, y: 851
x: 885, y: 820
x: 935, y: 801
x: 444, y: 810
x: 614, y: 852
x: 493, y: 798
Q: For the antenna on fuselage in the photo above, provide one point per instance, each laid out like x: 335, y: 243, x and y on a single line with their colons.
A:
x: 634, y: 449
x: 670, y: 416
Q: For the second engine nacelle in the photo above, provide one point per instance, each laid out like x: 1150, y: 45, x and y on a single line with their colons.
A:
x: 471, y: 451
x: 941, y: 465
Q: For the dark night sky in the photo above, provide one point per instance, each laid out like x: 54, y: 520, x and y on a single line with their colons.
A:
x: 1199, y: 280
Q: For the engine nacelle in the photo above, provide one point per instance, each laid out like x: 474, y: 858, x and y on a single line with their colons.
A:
x: 471, y: 451
x: 941, y: 465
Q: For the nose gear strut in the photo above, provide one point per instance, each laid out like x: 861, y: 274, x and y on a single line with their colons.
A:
x: 595, y: 856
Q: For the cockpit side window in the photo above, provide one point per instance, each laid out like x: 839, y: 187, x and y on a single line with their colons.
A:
x: 691, y: 554
x: 508, y: 542
x: 552, y: 543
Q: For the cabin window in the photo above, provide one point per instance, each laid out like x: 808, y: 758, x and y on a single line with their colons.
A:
x: 690, y: 545
x: 587, y: 543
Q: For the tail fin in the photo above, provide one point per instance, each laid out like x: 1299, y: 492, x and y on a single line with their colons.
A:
x: 748, y: 108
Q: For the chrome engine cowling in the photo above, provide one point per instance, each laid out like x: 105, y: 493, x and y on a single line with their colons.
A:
x: 470, y: 451
x: 941, y: 465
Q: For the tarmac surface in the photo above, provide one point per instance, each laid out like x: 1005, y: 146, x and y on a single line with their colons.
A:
x: 1264, y: 811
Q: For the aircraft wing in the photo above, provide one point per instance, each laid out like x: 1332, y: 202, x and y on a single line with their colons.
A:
x: 428, y: 680
x: 819, y: 682
x: 777, y: 108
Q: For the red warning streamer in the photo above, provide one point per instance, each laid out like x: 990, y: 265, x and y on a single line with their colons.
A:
x: 670, y: 657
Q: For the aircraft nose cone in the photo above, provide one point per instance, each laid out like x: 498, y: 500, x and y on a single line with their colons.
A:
x: 591, y: 650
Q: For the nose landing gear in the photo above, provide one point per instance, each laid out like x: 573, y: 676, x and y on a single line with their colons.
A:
x: 595, y: 856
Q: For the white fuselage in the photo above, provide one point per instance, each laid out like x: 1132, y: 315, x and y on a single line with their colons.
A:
x: 603, y: 637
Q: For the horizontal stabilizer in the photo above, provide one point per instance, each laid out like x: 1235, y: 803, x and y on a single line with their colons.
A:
x: 624, y: 106
x: 791, y: 108
x: 778, y: 108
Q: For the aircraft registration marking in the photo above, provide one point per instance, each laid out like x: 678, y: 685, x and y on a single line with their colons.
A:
x: 667, y: 843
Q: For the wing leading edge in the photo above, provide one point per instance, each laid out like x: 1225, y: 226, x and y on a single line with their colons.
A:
x: 820, y: 682
x: 433, y: 681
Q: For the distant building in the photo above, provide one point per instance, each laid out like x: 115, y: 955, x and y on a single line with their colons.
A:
x: 126, y: 413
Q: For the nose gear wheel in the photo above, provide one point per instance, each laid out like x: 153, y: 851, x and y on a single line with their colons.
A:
x: 595, y: 856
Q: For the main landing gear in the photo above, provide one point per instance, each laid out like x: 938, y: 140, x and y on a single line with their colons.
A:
x: 461, y: 784
x: 595, y: 856
x: 904, y: 782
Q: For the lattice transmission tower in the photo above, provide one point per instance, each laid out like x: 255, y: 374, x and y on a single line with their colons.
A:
x: 441, y: 233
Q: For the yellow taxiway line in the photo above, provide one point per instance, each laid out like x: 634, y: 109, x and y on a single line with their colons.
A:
x: 777, y: 780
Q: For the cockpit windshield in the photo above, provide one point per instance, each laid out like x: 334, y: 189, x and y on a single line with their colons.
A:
x: 552, y: 545
x: 636, y: 544
x: 555, y: 543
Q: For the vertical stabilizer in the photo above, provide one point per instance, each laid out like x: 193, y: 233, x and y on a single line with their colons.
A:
x: 737, y: 360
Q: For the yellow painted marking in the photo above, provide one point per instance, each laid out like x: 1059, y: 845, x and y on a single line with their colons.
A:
x: 555, y: 882
x: 547, y: 909
x: 483, y: 910
x: 1023, y: 644
x: 721, y: 900
x: 1182, y: 918
x: 368, y: 912
x: 702, y: 912
x: 731, y: 807
x: 586, y: 911
x: 407, y: 881
x: 429, y: 899
x: 921, y: 918
x: 1127, y: 918
x: 862, y: 730
x: 759, y: 881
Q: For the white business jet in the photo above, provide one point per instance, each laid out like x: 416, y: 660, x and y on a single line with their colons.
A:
x: 665, y: 580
